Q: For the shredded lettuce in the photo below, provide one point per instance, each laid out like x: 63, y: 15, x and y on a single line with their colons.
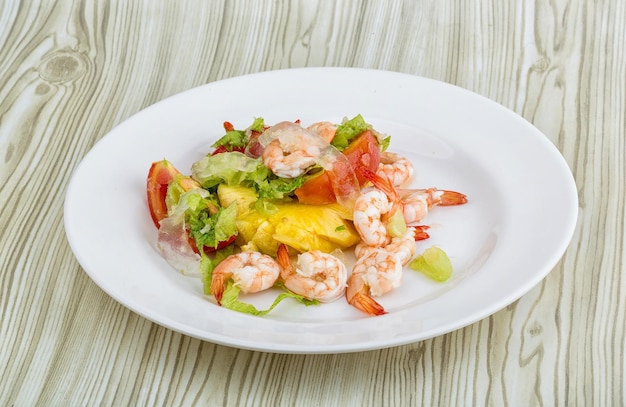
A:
x: 235, y: 168
x: 232, y: 168
x: 207, y: 223
x: 231, y: 140
x: 238, y: 139
x: 348, y: 130
x: 209, y: 229
x: 230, y: 300
x: 383, y: 143
x: 277, y: 188
x: 257, y: 125
x: 174, y: 191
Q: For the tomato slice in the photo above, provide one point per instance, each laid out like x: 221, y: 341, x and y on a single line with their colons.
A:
x: 160, y: 175
x: 362, y: 152
x: 316, y: 191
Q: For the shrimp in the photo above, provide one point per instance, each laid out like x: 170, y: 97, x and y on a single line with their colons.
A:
x: 398, y: 169
x: 252, y: 272
x: 414, y: 203
x: 291, y: 150
x: 373, y: 275
x: 369, y: 208
x: 373, y: 208
x: 403, y: 246
x: 326, y: 130
x: 317, y: 275
x: 417, y: 203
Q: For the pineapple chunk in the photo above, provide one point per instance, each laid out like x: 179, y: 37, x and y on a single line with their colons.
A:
x: 302, y: 227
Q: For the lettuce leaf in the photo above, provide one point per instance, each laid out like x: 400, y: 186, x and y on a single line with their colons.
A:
x: 208, y: 264
x: 348, y: 130
x: 231, y: 140
x: 209, y: 229
x: 230, y: 300
x: 232, y: 168
x: 238, y: 139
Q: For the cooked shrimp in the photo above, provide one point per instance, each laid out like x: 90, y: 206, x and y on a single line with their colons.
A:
x: 414, y: 203
x: 398, y: 169
x: 252, y: 272
x: 290, y: 149
x: 374, y: 274
x: 369, y: 208
x: 373, y: 208
x: 325, y: 130
x: 317, y: 275
x: 403, y: 246
x: 417, y: 203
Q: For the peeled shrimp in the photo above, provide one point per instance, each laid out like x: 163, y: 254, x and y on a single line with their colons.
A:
x: 373, y: 275
x: 373, y: 208
x: 290, y: 149
x: 417, y: 203
x: 414, y: 203
x: 316, y: 276
x: 369, y: 208
x: 398, y: 169
x: 403, y: 246
x: 252, y: 272
x: 326, y: 130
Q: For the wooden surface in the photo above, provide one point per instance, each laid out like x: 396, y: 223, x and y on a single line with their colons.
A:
x: 72, y: 70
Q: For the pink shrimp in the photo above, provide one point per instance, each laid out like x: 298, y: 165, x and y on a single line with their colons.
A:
x: 372, y: 209
x: 373, y: 275
x: 416, y: 203
x: 290, y: 150
x: 252, y: 272
x: 317, y: 275
x: 403, y: 246
x: 398, y: 169
x: 326, y: 130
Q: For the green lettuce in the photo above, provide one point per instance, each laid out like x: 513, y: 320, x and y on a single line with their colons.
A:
x: 235, y: 168
x: 208, y: 264
x: 208, y: 224
x: 209, y: 229
x: 348, y: 130
x: 232, y: 168
x: 238, y: 139
x: 230, y: 300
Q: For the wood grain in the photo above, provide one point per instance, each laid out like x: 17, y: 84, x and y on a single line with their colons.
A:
x: 72, y: 70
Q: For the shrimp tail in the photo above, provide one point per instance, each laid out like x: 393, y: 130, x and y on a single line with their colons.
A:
x: 420, y: 232
x: 385, y: 185
x: 449, y: 198
x: 283, y: 260
x: 357, y: 296
x: 382, y: 183
x: 218, y: 284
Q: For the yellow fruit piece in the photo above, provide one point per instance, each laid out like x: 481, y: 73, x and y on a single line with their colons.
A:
x: 302, y: 227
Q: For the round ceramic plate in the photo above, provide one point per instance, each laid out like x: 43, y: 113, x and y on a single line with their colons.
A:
x: 520, y: 217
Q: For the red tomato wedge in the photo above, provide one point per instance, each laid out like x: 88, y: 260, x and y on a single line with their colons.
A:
x: 362, y: 152
x: 160, y: 175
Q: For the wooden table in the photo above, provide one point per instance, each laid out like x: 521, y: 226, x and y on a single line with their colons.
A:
x: 70, y: 71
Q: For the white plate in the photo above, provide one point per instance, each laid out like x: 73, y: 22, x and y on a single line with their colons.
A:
x: 519, y: 220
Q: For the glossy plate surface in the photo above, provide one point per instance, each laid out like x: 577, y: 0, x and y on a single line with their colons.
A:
x: 520, y: 217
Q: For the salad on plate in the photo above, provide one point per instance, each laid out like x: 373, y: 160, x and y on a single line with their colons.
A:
x: 277, y: 206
